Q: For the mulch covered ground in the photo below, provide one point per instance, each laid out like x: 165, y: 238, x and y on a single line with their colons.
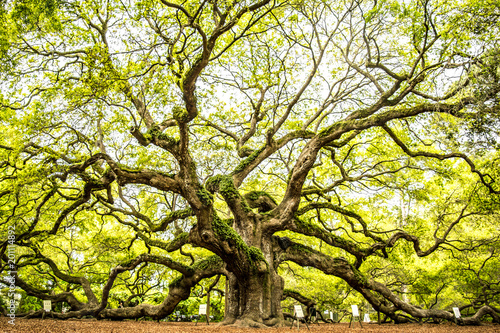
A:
x: 93, y: 326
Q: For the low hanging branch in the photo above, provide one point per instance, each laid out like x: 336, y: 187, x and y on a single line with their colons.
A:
x: 179, y: 290
x: 307, y: 302
x: 371, y: 289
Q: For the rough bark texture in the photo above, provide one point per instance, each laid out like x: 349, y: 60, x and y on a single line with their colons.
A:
x: 149, y: 83
x: 255, y: 300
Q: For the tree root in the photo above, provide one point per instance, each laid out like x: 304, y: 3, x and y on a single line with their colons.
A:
x: 246, y: 322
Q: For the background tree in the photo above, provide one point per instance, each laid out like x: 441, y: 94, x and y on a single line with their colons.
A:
x: 152, y: 141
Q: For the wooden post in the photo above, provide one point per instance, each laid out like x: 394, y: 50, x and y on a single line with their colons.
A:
x: 208, y: 307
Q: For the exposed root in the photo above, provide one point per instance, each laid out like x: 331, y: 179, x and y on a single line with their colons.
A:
x: 243, y: 322
x: 226, y: 322
x: 275, y: 322
x: 248, y: 323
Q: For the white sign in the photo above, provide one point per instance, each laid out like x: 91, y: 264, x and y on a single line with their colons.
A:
x: 457, y: 312
x: 355, y: 312
x: 326, y: 312
x: 298, y: 311
x: 331, y: 315
x: 367, y: 318
x: 203, y: 309
x: 47, y: 305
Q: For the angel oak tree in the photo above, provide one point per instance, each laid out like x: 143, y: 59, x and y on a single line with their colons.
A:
x: 265, y: 132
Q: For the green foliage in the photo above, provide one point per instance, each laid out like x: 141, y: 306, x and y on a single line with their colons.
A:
x: 30, y: 303
x: 29, y: 14
x: 407, y: 88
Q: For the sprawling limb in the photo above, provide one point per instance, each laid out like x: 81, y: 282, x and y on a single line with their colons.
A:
x: 378, y: 294
x: 179, y: 289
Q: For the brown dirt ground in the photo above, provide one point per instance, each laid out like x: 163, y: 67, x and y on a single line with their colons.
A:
x: 93, y: 326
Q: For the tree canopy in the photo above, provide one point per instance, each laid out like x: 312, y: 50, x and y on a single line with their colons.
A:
x: 319, y: 150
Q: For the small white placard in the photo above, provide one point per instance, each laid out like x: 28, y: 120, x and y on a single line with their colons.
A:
x: 47, y: 305
x: 367, y: 318
x: 298, y: 311
x: 326, y: 312
x: 331, y: 315
x: 457, y: 312
x: 355, y: 312
x: 203, y: 309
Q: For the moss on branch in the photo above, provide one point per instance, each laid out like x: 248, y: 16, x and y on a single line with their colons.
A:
x: 225, y: 233
x: 224, y: 185
x: 178, y: 241
x: 176, y: 282
x: 247, y: 161
x: 172, y: 216
x: 330, y: 129
x: 205, y: 197
x: 301, y: 248
x: 360, y: 278
x: 261, y: 200
x: 211, y: 262
x: 180, y: 114
x: 155, y: 133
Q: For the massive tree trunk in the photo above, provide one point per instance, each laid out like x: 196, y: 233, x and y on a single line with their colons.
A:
x: 254, y: 293
x: 255, y: 300
x: 254, y: 288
